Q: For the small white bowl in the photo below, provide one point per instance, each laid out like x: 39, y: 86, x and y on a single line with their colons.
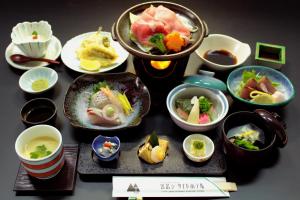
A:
x: 46, y: 167
x: 209, y: 147
x: 223, y: 42
x: 26, y: 80
x: 188, y: 91
x: 22, y: 37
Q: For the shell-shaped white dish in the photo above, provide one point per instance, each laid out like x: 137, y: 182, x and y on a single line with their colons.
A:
x: 223, y: 42
x: 26, y: 80
x: 22, y: 37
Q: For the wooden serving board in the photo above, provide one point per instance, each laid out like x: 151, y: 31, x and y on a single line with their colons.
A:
x: 176, y: 163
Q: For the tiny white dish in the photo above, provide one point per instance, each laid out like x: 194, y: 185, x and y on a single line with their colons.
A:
x: 26, y: 80
x: 22, y: 36
x: 52, y: 53
x: 214, y: 42
x: 209, y: 147
x: 69, y: 57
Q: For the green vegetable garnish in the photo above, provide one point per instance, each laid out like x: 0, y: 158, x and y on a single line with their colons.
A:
x: 184, y: 104
x: 204, y: 104
x: 245, y: 144
x: 40, y: 152
x: 153, y: 140
x: 158, y: 41
x: 198, y: 144
x: 110, y: 111
x: 34, y: 33
x: 101, y: 84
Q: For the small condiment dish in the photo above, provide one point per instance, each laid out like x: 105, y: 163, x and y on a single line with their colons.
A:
x: 38, y: 80
x: 45, y: 167
x: 22, y: 37
x: 39, y: 111
x: 99, y: 141
x: 219, y: 42
x: 209, y: 147
x: 217, y: 97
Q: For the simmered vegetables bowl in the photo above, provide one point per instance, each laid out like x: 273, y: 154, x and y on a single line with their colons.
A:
x: 107, y: 101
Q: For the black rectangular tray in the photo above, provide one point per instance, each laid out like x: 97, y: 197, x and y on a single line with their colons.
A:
x: 176, y: 163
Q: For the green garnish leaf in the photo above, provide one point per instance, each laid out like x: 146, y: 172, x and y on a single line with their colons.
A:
x: 101, y: 84
x: 34, y: 33
x: 184, y: 104
x: 245, y: 144
x: 198, y: 144
x: 153, y: 140
x: 40, y: 152
x: 158, y: 41
x: 204, y: 104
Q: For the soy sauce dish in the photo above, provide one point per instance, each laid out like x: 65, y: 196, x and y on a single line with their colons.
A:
x: 222, y: 52
x: 39, y: 111
x: 251, y: 137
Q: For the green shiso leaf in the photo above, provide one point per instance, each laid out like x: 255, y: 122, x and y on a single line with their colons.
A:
x: 153, y: 140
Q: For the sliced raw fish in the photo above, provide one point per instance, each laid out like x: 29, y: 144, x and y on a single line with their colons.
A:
x: 265, y: 85
x: 97, y: 117
x: 250, y: 86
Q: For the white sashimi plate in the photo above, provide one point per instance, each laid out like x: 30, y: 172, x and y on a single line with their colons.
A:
x: 69, y: 57
x: 52, y: 53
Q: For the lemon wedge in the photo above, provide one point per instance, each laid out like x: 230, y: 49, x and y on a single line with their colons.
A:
x: 261, y: 97
x: 89, y: 65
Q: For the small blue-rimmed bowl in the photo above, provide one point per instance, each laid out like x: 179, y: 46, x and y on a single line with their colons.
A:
x: 235, y: 77
x: 98, y: 143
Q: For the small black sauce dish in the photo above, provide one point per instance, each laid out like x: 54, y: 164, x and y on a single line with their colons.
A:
x: 269, y: 123
x: 39, y: 111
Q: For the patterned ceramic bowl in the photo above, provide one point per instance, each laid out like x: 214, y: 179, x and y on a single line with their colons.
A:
x: 32, y: 38
x: 44, y: 167
x: 77, y: 99
x: 284, y: 84
x: 98, y: 143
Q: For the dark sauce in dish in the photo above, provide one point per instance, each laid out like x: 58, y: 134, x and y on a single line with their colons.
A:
x: 39, y: 114
x: 221, y: 57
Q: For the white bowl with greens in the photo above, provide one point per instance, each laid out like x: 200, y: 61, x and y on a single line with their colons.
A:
x: 196, y: 109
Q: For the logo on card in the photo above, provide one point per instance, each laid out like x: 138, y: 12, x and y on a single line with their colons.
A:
x: 133, y: 188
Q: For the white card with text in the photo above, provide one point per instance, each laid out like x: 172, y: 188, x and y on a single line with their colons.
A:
x: 140, y: 186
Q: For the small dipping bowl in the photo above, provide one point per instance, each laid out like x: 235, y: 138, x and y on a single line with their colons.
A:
x: 38, y: 73
x: 46, y: 167
x: 218, y: 99
x: 217, y: 42
x: 22, y: 37
x: 98, y: 143
x: 39, y: 111
x: 269, y: 123
x: 209, y: 147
